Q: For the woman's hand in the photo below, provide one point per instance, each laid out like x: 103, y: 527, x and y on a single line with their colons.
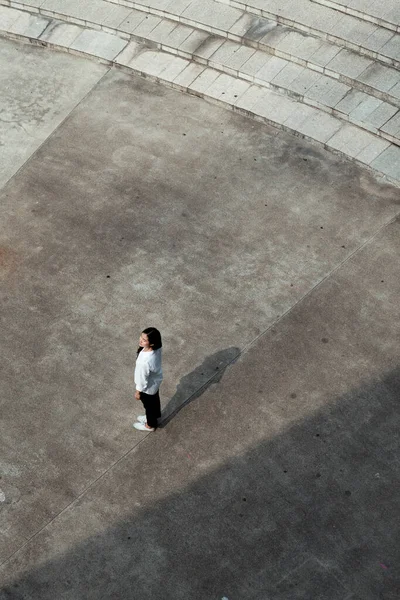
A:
x: 137, y: 395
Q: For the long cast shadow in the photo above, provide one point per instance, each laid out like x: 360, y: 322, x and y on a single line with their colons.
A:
x: 193, y: 385
x: 312, y: 514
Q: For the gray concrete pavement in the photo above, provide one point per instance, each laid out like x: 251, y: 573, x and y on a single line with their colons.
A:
x: 147, y: 206
x: 37, y: 92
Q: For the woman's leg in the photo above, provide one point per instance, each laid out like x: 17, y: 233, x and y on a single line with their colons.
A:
x: 152, y: 407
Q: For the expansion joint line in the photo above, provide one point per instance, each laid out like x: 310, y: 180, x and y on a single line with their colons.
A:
x: 209, y: 381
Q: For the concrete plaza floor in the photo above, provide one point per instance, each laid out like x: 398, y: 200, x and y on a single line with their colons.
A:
x: 271, y: 268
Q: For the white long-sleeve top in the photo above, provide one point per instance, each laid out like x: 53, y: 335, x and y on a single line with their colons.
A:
x: 148, y: 371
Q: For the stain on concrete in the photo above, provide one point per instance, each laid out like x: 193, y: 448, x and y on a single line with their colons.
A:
x: 180, y: 225
x: 205, y: 44
x: 8, y: 260
x: 38, y: 90
x: 260, y: 27
x: 380, y: 189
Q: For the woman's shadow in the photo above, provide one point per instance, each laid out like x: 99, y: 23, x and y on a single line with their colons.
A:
x: 193, y: 385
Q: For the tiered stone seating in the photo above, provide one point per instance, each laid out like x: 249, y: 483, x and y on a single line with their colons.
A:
x: 322, y: 69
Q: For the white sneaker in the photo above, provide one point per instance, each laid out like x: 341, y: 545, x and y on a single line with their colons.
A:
x: 142, y: 427
x: 141, y: 419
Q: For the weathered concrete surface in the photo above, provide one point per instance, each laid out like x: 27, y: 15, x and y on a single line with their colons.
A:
x: 147, y: 206
x: 37, y: 91
x: 279, y: 483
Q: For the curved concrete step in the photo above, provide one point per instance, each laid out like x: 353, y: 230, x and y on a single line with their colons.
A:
x: 361, y: 73
x: 305, y: 49
x: 347, y: 31
x: 180, y: 73
x: 299, y: 82
x: 385, y: 14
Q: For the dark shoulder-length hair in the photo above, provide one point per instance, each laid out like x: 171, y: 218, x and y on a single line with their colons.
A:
x: 154, y: 337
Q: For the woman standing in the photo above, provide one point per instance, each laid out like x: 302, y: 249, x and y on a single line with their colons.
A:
x: 148, y: 378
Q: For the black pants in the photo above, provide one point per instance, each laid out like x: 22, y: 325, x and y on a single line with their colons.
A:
x: 152, y: 407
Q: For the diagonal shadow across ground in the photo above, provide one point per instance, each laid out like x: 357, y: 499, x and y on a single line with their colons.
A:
x: 308, y: 514
x: 280, y: 483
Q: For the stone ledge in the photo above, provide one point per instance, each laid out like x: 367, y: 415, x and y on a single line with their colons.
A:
x: 306, y: 51
x: 249, y: 99
x: 389, y: 53
x: 381, y: 21
x: 273, y: 73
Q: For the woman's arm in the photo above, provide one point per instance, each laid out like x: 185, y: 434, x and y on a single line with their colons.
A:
x: 142, y: 378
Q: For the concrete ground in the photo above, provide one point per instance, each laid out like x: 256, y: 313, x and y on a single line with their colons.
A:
x: 271, y: 268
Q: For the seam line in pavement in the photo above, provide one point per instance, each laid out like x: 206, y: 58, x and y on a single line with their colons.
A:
x: 207, y: 383
x: 317, y: 285
x: 91, y: 484
x: 245, y: 349
x: 251, y: 342
x: 55, y: 129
